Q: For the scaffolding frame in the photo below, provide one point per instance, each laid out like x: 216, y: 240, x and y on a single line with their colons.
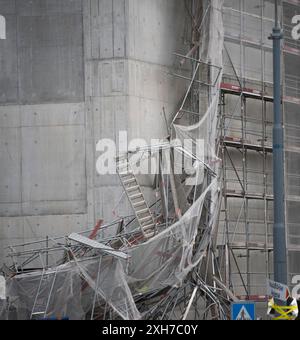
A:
x: 245, y: 138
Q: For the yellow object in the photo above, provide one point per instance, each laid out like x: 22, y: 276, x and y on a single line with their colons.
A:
x: 285, y: 312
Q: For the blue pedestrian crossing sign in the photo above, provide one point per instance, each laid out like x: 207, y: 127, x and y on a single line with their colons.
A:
x: 243, y: 311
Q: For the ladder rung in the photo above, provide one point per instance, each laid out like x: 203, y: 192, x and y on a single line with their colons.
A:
x: 136, y: 196
x: 123, y: 165
x: 132, y: 188
x: 120, y: 163
x: 138, y: 204
x: 121, y: 157
x: 128, y: 181
x: 143, y: 211
x: 149, y: 235
x: 38, y: 313
x: 125, y: 174
x: 145, y: 219
x: 148, y: 226
x: 123, y: 170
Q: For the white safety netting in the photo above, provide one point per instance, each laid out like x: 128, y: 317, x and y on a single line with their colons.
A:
x: 68, y: 290
x: 204, y: 133
x: 166, y: 259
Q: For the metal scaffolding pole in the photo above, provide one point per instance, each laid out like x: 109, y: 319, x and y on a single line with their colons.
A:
x: 280, y: 252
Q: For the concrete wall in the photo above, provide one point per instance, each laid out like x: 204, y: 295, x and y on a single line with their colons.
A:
x: 73, y: 72
x: 128, y: 58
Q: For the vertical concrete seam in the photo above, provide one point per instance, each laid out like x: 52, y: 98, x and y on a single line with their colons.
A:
x: 125, y: 29
x: 19, y: 109
x: 113, y: 28
x: 84, y: 96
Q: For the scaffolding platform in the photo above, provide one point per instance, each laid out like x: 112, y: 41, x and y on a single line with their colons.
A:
x: 249, y: 196
x: 241, y: 144
x: 246, y: 92
x: 252, y: 246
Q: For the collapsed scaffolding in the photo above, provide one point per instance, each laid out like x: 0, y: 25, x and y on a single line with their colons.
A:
x: 163, y: 263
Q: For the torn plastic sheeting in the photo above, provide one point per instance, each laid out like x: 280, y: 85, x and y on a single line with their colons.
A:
x: 163, y: 261
x: 112, y: 285
x: 148, y: 269
x: 52, y: 294
x: 169, y: 257
x: 63, y: 291
x: 205, y: 130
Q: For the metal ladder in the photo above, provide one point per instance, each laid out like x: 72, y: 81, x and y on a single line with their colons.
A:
x: 41, y: 304
x: 136, y: 197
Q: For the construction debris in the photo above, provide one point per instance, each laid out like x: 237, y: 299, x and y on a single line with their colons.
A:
x: 162, y: 264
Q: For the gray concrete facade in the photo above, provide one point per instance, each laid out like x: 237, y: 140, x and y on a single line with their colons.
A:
x: 73, y: 72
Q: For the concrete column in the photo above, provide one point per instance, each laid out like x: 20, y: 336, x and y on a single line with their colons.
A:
x: 128, y: 65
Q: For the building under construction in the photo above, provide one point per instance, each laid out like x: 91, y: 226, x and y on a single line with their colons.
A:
x: 180, y: 242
